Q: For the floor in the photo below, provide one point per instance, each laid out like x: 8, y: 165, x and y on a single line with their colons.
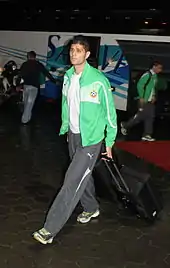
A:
x: 33, y: 161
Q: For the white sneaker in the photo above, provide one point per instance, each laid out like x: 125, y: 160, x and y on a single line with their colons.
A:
x: 43, y: 236
x: 148, y: 138
x: 85, y: 217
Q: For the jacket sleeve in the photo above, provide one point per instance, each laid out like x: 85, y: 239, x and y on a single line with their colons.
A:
x: 64, y: 113
x: 46, y: 72
x: 141, y: 84
x: 110, y: 114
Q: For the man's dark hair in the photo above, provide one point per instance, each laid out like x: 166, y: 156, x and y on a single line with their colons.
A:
x: 155, y: 63
x: 31, y: 54
x: 80, y: 39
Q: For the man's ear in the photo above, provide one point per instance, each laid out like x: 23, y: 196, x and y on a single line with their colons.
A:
x: 87, y: 54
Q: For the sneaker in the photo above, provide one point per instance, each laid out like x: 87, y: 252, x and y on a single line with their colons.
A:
x: 43, y: 236
x: 123, y: 129
x: 85, y: 217
x: 148, y: 138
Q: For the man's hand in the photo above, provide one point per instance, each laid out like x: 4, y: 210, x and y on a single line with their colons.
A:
x: 108, y: 152
x: 153, y: 99
x: 142, y: 102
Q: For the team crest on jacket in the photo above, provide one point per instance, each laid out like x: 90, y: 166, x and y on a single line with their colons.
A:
x: 93, y: 93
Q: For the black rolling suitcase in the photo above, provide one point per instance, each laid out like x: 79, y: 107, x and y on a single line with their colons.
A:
x: 136, y: 191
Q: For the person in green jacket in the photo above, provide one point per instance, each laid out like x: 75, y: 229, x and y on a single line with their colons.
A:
x: 146, y: 87
x: 88, y: 118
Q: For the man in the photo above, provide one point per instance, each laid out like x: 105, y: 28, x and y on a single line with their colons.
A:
x: 88, y: 113
x: 146, y: 87
x: 30, y: 71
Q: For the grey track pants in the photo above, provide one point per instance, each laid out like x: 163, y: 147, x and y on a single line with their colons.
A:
x: 146, y: 115
x: 78, y: 184
x: 29, y: 97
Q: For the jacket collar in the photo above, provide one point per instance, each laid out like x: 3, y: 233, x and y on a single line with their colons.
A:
x: 70, y: 71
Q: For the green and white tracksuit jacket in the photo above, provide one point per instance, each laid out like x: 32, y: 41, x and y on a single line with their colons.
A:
x: 98, y: 118
x: 147, y: 92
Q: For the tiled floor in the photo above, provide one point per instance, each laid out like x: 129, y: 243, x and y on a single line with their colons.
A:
x: 33, y: 161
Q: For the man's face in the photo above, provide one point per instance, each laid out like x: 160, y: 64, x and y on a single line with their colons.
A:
x: 78, y: 54
x: 158, y: 68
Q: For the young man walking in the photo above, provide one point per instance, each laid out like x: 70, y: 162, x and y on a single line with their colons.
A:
x: 89, y: 117
x: 147, y: 96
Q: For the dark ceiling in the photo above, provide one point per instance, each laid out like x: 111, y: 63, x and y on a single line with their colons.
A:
x: 104, y: 19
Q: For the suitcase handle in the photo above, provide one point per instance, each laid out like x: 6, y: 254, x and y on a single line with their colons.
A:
x: 106, y: 159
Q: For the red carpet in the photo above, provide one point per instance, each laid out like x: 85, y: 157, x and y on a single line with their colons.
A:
x: 157, y: 153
